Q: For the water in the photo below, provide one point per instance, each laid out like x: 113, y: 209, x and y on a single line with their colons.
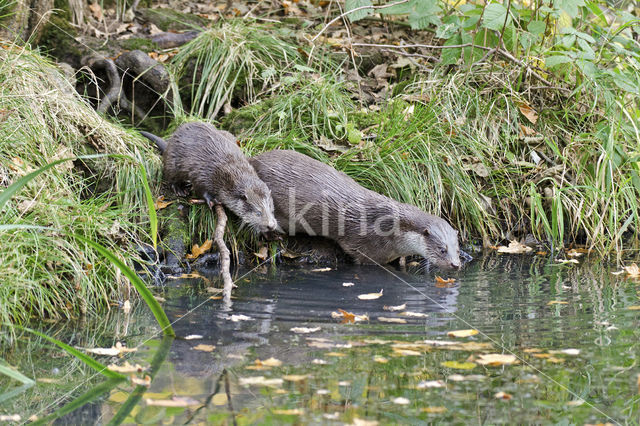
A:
x: 575, y: 340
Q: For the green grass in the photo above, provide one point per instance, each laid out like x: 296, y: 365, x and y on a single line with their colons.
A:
x: 46, y: 274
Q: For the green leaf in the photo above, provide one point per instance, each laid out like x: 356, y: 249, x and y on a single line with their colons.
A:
x: 495, y: 15
x: 144, y: 292
x: 594, y: 7
x: 452, y: 55
x: 537, y: 27
x: 360, y: 14
x: 425, y: 12
x: 399, y: 9
x: 570, y: 6
x: 97, y: 366
x: 8, y: 371
x: 552, y: 61
x: 151, y: 208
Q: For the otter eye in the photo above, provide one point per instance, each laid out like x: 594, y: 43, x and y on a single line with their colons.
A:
x: 443, y: 250
x: 258, y: 213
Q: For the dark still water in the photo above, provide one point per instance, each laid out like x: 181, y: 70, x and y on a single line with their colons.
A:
x: 555, y: 344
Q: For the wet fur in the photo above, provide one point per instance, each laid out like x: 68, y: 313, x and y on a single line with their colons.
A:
x: 212, y: 163
x: 329, y: 192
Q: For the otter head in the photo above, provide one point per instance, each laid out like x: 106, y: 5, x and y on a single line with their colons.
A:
x: 441, y: 244
x: 254, y: 205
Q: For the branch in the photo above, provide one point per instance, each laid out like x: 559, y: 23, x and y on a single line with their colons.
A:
x: 426, y: 46
x: 225, y: 261
x: 355, y: 10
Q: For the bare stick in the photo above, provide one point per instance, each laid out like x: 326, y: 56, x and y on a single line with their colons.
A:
x: 225, y: 261
x: 426, y: 46
x: 331, y: 22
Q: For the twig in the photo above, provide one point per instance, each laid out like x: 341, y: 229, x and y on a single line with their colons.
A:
x: 225, y: 261
x: 331, y: 22
x: 412, y: 55
x: 512, y: 58
x: 426, y: 46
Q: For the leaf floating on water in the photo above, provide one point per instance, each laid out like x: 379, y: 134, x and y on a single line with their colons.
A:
x: 319, y: 362
x: 468, y: 378
x: 236, y: 318
x: 270, y: 362
x: 514, y: 248
x: 395, y: 308
x: 348, y: 284
x: 462, y: 333
x: 193, y: 337
x: 392, y: 320
x: 380, y: 359
x: 204, y: 348
x: 405, y: 352
x: 161, y: 204
x: 126, y: 368
x: 348, y: 317
x: 566, y: 352
x: 259, y: 381
x: 413, y: 314
x: 296, y: 377
x: 370, y: 296
x: 321, y: 270
x: 364, y: 422
x: 305, y: 330
x: 197, y: 251
x: 290, y: 412
x: 145, y: 381
x: 634, y: 308
x: 503, y: 396
x: 495, y: 360
x: 430, y: 384
x: 176, y: 401
x: 186, y: 276
x: 557, y: 302
x: 263, y: 253
x: 434, y: 410
x: 458, y: 365
x: 336, y: 354
x: 441, y: 280
x: 565, y: 261
x: 439, y: 342
x: 401, y: 401
x: 112, y: 351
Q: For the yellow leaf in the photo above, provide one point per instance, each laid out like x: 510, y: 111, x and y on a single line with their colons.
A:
x: 126, y: 368
x: 204, y: 348
x: 271, y: 362
x: 259, y: 381
x: 441, y: 280
x: 219, y: 399
x: 392, y: 320
x: 502, y: 395
x: 263, y: 253
x: 495, y: 360
x: 434, y: 410
x: 304, y: 330
x: 462, y: 333
x: 197, y: 251
x: 380, y: 359
x: 291, y: 412
x: 370, y: 296
x: 557, y: 302
x: 514, y: 248
x: 458, y: 365
x: 634, y: 308
x: 395, y: 308
x: 296, y: 377
x: 161, y: 204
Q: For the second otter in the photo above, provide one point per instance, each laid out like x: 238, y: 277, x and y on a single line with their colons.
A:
x: 314, y: 198
x: 210, y: 160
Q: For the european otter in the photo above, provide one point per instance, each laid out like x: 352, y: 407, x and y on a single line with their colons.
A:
x: 314, y: 198
x: 210, y: 160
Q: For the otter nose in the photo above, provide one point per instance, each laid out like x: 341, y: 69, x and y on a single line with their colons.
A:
x: 272, y: 225
x: 455, y: 265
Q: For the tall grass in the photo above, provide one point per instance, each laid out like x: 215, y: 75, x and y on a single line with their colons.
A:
x: 44, y: 274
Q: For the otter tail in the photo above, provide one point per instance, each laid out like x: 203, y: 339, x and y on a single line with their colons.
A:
x: 160, y: 143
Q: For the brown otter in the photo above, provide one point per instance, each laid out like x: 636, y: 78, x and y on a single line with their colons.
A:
x: 314, y: 198
x: 210, y: 160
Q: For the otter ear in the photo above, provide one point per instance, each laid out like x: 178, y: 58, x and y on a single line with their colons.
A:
x: 426, y: 232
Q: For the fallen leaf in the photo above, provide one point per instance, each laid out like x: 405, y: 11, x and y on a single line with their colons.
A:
x: 317, y: 361
x: 392, y: 320
x: 632, y: 270
x: 112, y: 351
x: 434, y: 410
x: 370, y: 296
x: 348, y: 284
x: 441, y: 280
x: 10, y: 418
x: 321, y: 270
x: 271, y: 362
x: 526, y: 131
x: 494, y: 360
x: 296, y: 377
x: 405, y: 352
x: 514, y: 248
x: 380, y: 359
x: 197, y: 251
x: 236, y: 318
x: 568, y: 261
x: 462, y: 333
x: 364, y: 422
x: 503, y: 396
x: 634, y: 308
x: 96, y: 11
x: 305, y: 330
x: 574, y: 253
x: 575, y: 403
x: 567, y: 352
x: 467, y: 378
x: 161, y: 204
x: 193, y: 337
x: 557, y: 302
x: 395, y: 308
x: 413, y: 314
x: 401, y: 401
x: 263, y: 253
x: 126, y: 368
x: 430, y: 384
x: 336, y: 354
x: 259, y: 381
x: 290, y: 412
x: 528, y: 112
x: 144, y: 381
x: 458, y: 365
x: 176, y: 401
x: 618, y: 272
x: 204, y: 348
